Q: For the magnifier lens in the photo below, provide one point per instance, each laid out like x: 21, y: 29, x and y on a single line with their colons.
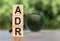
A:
x: 34, y: 22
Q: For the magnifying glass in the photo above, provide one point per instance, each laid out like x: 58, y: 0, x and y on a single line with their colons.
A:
x: 34, y: 22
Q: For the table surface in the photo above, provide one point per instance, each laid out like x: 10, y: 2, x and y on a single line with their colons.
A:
x: 43, y: 35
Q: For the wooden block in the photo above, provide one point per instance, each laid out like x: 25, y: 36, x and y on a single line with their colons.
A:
x: 17, y: 38
x: 14, y: 9
x: 13, y: 20
x: 13, y: 33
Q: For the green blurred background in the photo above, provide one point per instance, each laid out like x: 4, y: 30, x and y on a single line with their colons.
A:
x: 51, y: 9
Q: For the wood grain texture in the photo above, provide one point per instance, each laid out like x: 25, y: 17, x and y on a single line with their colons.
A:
x: 17, y: 38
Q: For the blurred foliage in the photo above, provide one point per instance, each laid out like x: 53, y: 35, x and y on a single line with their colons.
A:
x: 50, y: 8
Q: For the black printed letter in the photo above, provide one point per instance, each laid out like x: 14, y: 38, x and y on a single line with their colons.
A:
x: 17, y: 19
x: 17, y: 30
x: 17, y: 10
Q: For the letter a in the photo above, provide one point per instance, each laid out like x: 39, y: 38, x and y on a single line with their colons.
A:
x: 17, y: 10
